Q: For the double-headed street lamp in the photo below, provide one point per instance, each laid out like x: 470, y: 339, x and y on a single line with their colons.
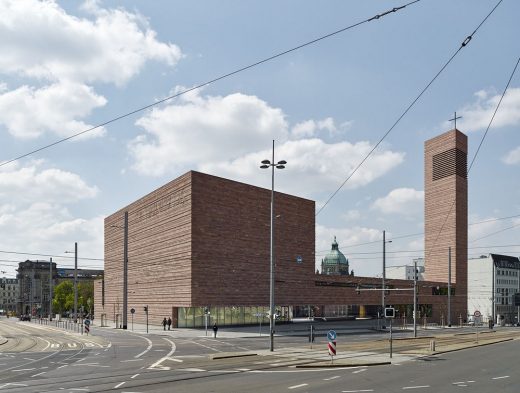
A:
x: 265, y: 165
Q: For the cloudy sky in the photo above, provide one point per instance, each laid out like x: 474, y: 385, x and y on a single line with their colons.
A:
x: 69, y: 66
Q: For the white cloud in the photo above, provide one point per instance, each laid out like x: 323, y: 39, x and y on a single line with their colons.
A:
x: 352, y: 215
x: 313, y: 166
x: 28, y: 113
x: 31, y: 184
x: 513, y: 157
x: 34, y: 213
x: 204, y: 129
x: 476, y: 116
x: 39, y: 39
x: 310, y: 128
x: 407, y: 201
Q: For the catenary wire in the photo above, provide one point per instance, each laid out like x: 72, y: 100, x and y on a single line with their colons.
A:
x: 237, y: 71
x: 462, y: 45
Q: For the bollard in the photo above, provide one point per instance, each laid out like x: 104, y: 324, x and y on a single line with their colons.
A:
x: 432, y: 345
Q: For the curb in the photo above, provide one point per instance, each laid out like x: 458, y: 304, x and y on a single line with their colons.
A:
x: 3, y: 340
x: 326, y: 364
x: 228, y: 355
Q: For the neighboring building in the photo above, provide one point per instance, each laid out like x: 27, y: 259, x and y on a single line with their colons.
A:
x: 446, y: 214
x: 405, y: 272
x: 493, y: 281
x: 201, y: 243
x: 34, y: 285
x: 335, y: 263
x: 8, y: 295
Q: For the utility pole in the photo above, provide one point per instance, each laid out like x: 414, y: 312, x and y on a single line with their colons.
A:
x: 75, y: 282
x: 50, y: 290
x: 449, y: 287
x: 384, y: 274
x: 415, y: 298
x: 125, y: 272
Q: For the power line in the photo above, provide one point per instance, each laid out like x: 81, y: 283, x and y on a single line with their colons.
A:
x: 239, y: 70
x: 462, y: 45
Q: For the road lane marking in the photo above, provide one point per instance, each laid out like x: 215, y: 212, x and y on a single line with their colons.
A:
x: 195, y: 370
x: 416, y: 387
x: 32, y: 360
x: 133, y: 376
x: 298, y: 386
x: 356, y: 391
x: 505, y: 376
x: 167, y: 357
x: 147, y: 349
x: 25, y: 369
x: 65, y: 365
x: 118, y: 385
x: 359, y: 371
x: 35, y: 375
x: 12, y: 384
x: 131, y: 360
x: 243, y: 369
x: 331, y: 378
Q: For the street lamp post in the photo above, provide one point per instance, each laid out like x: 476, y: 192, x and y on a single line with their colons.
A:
x: 383, y: 300
x: 265, y: 165
x: 75, y: 280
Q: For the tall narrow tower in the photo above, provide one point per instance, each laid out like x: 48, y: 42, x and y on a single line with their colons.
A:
x: 446, y: 213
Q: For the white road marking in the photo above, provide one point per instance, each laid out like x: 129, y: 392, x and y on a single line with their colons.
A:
x: 25, y: 369
x: 65, y: 365
x: 55, y: 345
x: 48, y: 343
x: 12, y: 384
x: 118, y: 385
x: 32, y: 360
x: 331, y: 378
x: 72, y: 345
x: 243, y: 369
x: 147, y: 349
x: 157, y: 363
x: 80, y: 389
x: 356, y: 391
x: 133, y: 376
x: 131, y: 360
x: 298, y: 386
x: 505, y: 376
x: 416, y: 387
x: 359, y: 371
x: 191, y: 369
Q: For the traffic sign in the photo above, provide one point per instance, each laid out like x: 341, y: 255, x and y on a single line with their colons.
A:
x: 331, y: 335
x: 331, y: 345
x: 86, y: 322
x: 87, y: 329
x: 477, y: 314
x: 132, y: 310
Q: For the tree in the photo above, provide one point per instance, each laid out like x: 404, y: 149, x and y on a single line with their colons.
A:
x: 86, y: 296
x: 63, y: 297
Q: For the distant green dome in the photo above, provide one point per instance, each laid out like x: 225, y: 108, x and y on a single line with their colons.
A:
x: 335, y: 262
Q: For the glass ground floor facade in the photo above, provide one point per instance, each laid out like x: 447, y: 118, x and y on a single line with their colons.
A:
x: 197, y: 317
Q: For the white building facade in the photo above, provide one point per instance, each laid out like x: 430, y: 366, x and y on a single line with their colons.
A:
x: 405, y: 272
x: 493, y: 280
x: 8, y: 295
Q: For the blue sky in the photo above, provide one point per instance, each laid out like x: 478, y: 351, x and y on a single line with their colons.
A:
x: 66, y: 66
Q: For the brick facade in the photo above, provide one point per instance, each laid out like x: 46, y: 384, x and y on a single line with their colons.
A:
x: 446, y: 213
x: 203, y: 241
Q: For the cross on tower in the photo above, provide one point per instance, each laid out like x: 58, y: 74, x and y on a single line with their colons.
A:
x: 455, y: 117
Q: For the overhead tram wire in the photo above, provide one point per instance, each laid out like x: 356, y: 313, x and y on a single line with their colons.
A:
x: 478, y: 149
x: 237, y: 71
x: 462, y: 45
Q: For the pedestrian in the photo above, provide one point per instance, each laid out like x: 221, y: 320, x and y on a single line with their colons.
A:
x: 169, y: 323
x: 215, y: 330
x: 164, y: 323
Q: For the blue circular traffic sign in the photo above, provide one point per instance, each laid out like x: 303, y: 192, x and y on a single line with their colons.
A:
x: 331, y: 335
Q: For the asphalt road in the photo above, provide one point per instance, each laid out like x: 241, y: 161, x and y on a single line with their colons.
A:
x: 43, y: 359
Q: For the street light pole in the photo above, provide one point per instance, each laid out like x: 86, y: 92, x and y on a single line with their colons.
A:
x: 75, y: 282
x: 50, y: 290
x: 279, y: 165
x: 449, y: 287
x: 384, y: 274
x: 415, y: 298
x: 125, y: 272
